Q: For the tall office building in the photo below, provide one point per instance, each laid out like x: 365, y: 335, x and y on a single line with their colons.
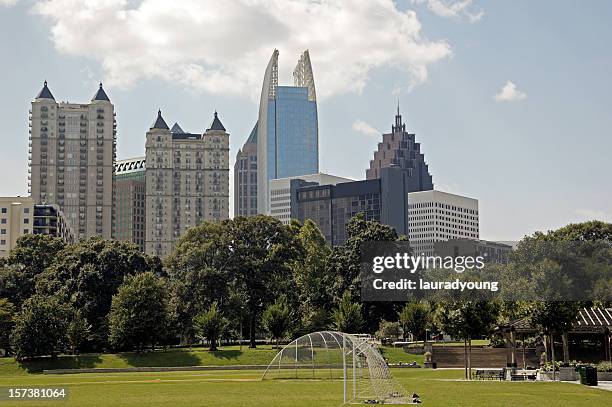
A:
x: 20, y: 216
x: 399, y: 149
x: 283, y: 193
x: 436, y: 216
x: 71, y: 158
x: 130, y: 215
x: 332, y: 206
x: 287, y: 129
x: 187, y: 181
x: 245, y: 177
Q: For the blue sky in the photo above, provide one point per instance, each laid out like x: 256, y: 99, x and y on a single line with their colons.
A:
x: 537, y: 159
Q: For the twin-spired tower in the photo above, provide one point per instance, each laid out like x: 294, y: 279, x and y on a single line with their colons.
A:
x: 284, y: 141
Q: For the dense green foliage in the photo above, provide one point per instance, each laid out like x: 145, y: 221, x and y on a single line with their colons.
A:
x: 210, y: 325
x: 348, y: 317
x: 139, y: 313
x: 277, y: 319
x: 40, y: 327
x: 257, y: 277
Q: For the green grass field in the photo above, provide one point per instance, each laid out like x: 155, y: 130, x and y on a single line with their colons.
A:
x: 243, y: 388
x: 225, y: 356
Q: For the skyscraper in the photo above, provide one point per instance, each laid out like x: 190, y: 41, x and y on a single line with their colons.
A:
x: 400, y: 149
x: 245, y: 177
x: 287, y: 129
x: 72, y: 153
x: 187, y: 181
x: 130, y: 191
x: 436, y: 216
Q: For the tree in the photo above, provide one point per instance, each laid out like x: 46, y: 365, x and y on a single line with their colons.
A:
x: 139, y: 313
x: 40, y: 327
x: 199, y: 273
x: 347, y: 317
x: 277, y: 319
x: 29, y: 258
x: 466, y: 320
x: 210, y: 325
x: 7, y: 321
x: 260, y: 251
x: 314, y: 297
x: 88, y: 274
x: 415, y: 318
x: 389, y: 330
x: 77, y: 333
x: 554, y: 318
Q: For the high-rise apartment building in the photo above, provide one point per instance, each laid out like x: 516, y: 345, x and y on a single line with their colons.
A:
x: 245, y: 177
x: 399, y: 149
x: 187, y: 181
x: 287, y: 127
x: 71, y: 158
x: 283, y: 191
x: 435, y: 216
x: 20, y: 216
x: 130, y: 214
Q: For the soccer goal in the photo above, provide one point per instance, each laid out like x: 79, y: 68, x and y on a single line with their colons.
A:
x: 353, y: 359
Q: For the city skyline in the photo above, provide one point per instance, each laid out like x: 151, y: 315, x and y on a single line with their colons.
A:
x: 502, y: 128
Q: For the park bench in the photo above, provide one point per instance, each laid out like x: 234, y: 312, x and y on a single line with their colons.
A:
x: 489, y: 374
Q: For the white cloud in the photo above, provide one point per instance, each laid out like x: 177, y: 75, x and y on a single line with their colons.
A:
x: 459, y: 9
x: 224, y: 46
x: 8, y: 3
x: 364, y: 128
x: 509, y: 93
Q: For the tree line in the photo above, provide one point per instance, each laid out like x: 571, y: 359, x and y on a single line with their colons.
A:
x: 244, y: 276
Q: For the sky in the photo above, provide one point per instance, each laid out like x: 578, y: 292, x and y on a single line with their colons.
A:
x: 510, y: 100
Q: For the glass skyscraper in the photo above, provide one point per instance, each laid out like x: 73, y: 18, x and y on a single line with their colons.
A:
x: 287, y: 132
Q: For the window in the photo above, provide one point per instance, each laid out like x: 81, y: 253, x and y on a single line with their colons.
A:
x: 26, y: 231
x: 3, y: 210
x: 2, y: 242
x: 3, y: 221
x: 2, y: 231
x: 26, y: 210
x: 26, y: 221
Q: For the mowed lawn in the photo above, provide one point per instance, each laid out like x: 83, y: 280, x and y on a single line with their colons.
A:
x: 243, y: 388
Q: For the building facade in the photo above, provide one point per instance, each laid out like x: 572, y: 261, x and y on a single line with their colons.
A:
x: 71, y: 156
x: 130, y: 214
x: 400, y: 149
x: 245, y: 177
x: 436, y: 216
x: 20, y: 216
x: 332, y: 206
x: 187, y: 181
x: 492, y: 252
x: 287, y: 129
x: 282, y: 192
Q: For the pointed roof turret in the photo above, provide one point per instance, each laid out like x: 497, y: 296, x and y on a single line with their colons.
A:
x: 176, y: 129
x: 159, y: 122
x: 216, y: 124
x: 100, y: 95
x: 45, y: 93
